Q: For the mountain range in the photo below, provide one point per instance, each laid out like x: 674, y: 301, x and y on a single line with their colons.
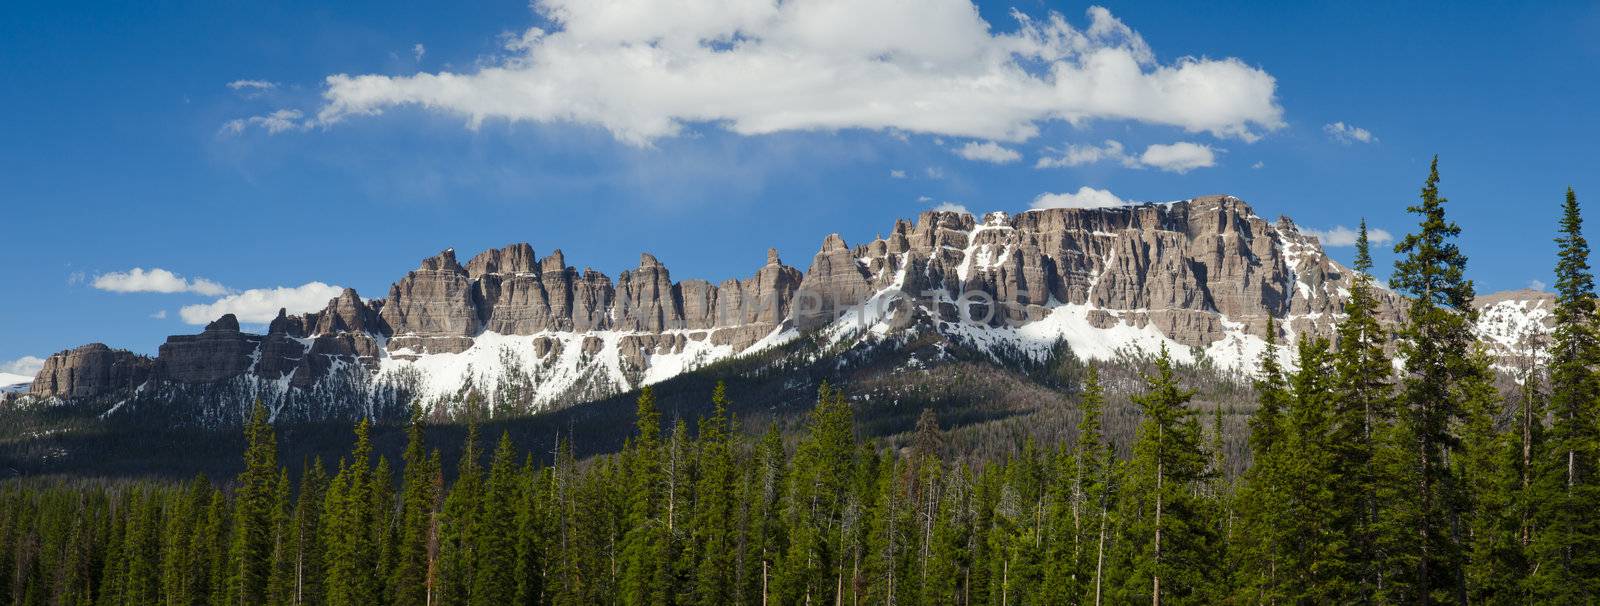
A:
x: 1205, y: 278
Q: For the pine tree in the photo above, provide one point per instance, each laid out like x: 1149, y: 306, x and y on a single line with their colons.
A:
x: 1566, y: 542
x: 494, y: 583
x: 767, y: 536
x: 253, y: 518
x: 1165, y: 542
x: 307, y: 535
x: 1263, y: 496
x: 1310, y: 562
x: 1362, y: 410
x: 411, y: 578
x: 353, y: 549
x: 1489, y: 463
x: 458, y: 526
x: 645, y: 538
x: 280, y: 578
x: 1421, y: 546
x: 823, y: 466
x: 1093, y: 497
x: 714, y: 505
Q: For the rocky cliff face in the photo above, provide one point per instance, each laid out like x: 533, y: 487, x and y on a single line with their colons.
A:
x: 1201, y: 277
x: 91, y: 370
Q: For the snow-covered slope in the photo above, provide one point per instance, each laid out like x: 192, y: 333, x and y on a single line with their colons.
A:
x: 14, y: 383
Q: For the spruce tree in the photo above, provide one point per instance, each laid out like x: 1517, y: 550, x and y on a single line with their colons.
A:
x: 1363, y: 409
x: 458, y: 526
x: 1166, y: 543
x: 823, y: 465
x: 1420, y: 524
x: 308, y: 534
x: 1263, y: 492
x: 417, y: 510
x: 645, y: 533
x: 253, y: 518
x: 714, y: 505
x: 1566, y: 541
x: 494, y: 581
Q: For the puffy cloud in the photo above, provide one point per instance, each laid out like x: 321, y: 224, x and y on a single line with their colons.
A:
x: 1079, y: 155
x: 643, y: 69
x: 933, y: 172
x: 161, y: 314
x: 1180, y: 157
x: 988, y: 151
x: 1536, y: 285
x: 1258, y: 165
x: 1085, y: 197
x: 418, y: 51
x: 260, y: 305
x: 26, y: 365
x: 274, y: 123
x: 1348, y: 133
x: 1339, y: 236
x: 950, y: 207
x: 155, y: 280
x: 896, y: 173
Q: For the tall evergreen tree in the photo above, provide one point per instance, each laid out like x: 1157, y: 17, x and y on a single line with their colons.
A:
x: 714, y: 505
x: 308, y: 532
x: 1362, y: 410
x: 412, y: 578
x: 1422, y: 546
x: 1566, y: 542
x: 1263, y: 496
x: 815, y: 516
x: 494, y: 581
x: 1167, y: 545
x: 645, y: 538
x: 253, y: 503
x: 458, y: 526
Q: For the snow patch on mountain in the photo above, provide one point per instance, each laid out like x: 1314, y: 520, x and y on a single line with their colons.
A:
x: 14, y: 383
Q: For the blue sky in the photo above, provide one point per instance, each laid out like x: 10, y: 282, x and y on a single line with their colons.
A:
x: 165, y: 135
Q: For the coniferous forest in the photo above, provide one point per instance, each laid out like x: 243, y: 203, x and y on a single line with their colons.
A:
x: 1386, y: 467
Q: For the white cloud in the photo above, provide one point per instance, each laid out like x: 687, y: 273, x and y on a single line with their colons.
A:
x: 418, y: 51
x: 160, y: 314
x: 933, y: 172
x: 1536, y: 284
x: 274, y: 123
x: 251, y: 89
x: 1079, y: 155
x: 25, y: 365
x: 1339, y: 236
x: 76, y: 278
x: 643, y: 69
x: 950, y: 207
x: 260, y: 305
x: 1180, y: 157
x: 988, y: 151
x: 1085, y: 197
x: 1258, y: 165
x: 897, y: 174
x: 249, y: 85
x: 155, y: 280
x: 1348, y: 133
